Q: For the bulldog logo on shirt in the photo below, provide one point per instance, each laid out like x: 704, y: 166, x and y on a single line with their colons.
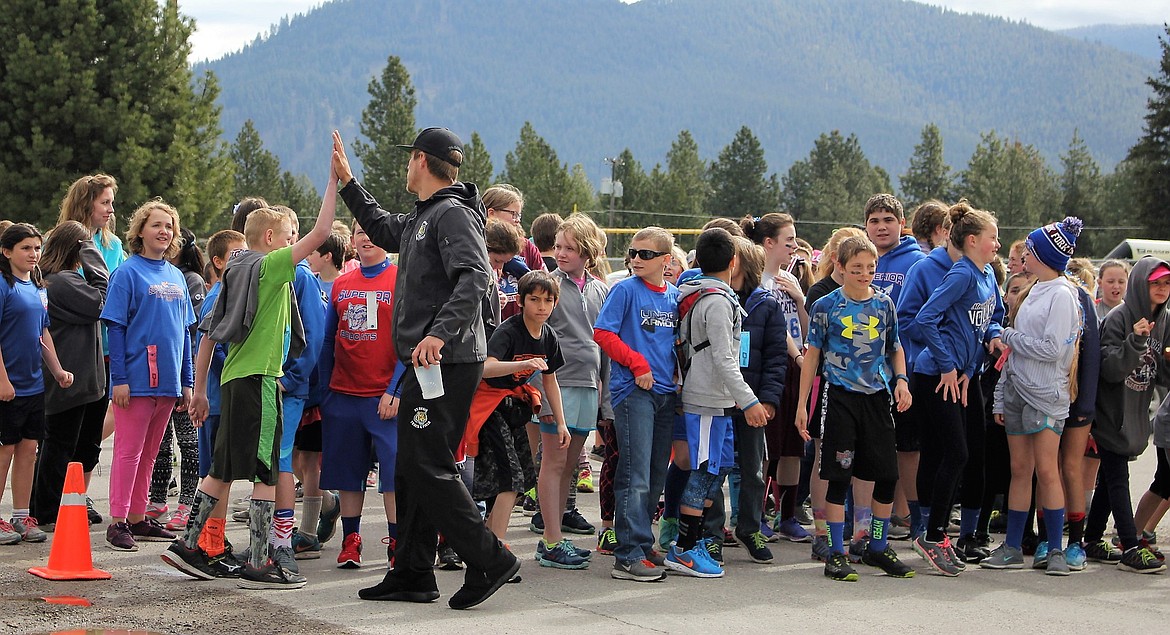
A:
x: 355, y: 317
x: 422, y: 230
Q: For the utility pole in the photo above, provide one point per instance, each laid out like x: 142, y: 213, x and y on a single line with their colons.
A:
x: 614, y: 186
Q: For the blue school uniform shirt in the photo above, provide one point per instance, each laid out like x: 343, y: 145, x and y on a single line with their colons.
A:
x: 645, y: 320
x: 217, y: 356
x: 149, y: 298
x: 24, y: 316
x: 962, y: 313
x: 856, y: 339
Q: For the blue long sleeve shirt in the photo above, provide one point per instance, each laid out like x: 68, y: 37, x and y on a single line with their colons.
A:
x: 965, y: 311
x: 922, y: 279
x: 311, y: 302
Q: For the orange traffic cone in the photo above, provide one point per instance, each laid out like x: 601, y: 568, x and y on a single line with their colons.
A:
x: 70, y: 557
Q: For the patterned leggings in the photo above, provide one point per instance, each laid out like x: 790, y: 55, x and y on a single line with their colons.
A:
x: 608, y: 471
x: 160, y: 481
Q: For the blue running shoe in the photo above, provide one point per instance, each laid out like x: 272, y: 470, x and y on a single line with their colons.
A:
x: 580, y: 551
x: 695, y: 562
x: 791, y: 531
x: 1040, y: 560
x: 1075, y: 557
x: 769, y: 534
x: 559, y: 556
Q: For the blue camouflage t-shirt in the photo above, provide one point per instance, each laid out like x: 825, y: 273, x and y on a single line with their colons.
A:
x: 855, y: 339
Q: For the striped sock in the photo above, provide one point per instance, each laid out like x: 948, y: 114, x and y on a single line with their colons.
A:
x: 282, y: 526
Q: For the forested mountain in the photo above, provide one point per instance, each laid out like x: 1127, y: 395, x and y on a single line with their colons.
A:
x: 1139, y: 39
x: 597, y: 76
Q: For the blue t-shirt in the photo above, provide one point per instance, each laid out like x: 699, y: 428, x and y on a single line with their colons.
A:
x: 856, y: 339
x: 645, y: 320
x: 217, y: 357
x: 149, y: 298
x: 961, y: 313
x: 24, y: 316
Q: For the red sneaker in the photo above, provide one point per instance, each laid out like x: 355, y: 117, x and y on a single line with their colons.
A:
x: 351, y: 552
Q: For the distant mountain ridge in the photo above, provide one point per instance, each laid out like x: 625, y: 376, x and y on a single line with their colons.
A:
x: 597, y: 76
x: 1138, y: 39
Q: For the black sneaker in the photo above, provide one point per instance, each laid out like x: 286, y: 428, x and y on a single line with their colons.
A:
x: 94, y: 517
x: 193, y: 562
x: 150, y: 530
x: 226, y: 564
x: 857, y: 549
x: 448, y: 559
x: 270, y: 576
x: 480, y: 585
x: 393, y: 588
x: 757, y: 547
x: 887, y: 561
x: 837, y: 568
x: 971, y: 551
x: 574, y: 523
x: 1140, y: 560
x: 537, y: 524
x: 1102, y: 551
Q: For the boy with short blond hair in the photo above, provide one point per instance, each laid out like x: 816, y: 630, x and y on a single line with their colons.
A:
x: 256, y: 313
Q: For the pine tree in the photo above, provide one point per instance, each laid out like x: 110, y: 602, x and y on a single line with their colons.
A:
x: 1150, y: 157
x: 684, y: 188
x: 105, y: 87
x: 1013, y: 180
x: 929, y: 176
x: 387, y: 121
x: 257, y: 169
x: 739, y: 182
x: 547, y: 184
x: 477, y: 163
x: 1081, y: 192
x: 829, y: 189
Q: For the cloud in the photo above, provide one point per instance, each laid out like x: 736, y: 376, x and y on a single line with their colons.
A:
x: 223, y: 26
x: 1063, y: 14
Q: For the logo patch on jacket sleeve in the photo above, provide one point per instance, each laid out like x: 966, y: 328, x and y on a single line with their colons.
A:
x: 421, y: 418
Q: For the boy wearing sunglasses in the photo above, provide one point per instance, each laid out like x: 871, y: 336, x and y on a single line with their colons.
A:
x: 636, y: 330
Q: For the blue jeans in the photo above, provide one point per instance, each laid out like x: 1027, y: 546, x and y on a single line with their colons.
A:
x: 642, y: 422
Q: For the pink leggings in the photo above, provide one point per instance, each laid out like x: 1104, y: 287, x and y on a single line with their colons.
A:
x: 138, y: 430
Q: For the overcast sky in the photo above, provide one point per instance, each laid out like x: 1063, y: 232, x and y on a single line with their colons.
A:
x: 227, y: 25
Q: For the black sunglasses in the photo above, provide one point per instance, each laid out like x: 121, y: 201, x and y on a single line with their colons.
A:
x: 646, y: 254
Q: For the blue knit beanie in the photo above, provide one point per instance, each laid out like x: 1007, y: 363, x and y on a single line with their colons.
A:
x: 1054, y: 243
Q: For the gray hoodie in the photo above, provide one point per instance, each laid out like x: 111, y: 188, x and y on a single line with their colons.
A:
x: 714, y: 382
x: 1130, y: 366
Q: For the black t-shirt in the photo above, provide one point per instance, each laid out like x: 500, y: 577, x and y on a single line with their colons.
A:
x: 822, y: 288
x: 511, y: 343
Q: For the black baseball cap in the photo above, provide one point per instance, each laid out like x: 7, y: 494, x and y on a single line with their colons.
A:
x: 437, y: 142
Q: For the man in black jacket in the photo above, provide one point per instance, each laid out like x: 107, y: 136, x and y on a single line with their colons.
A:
x: 442, y: 280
